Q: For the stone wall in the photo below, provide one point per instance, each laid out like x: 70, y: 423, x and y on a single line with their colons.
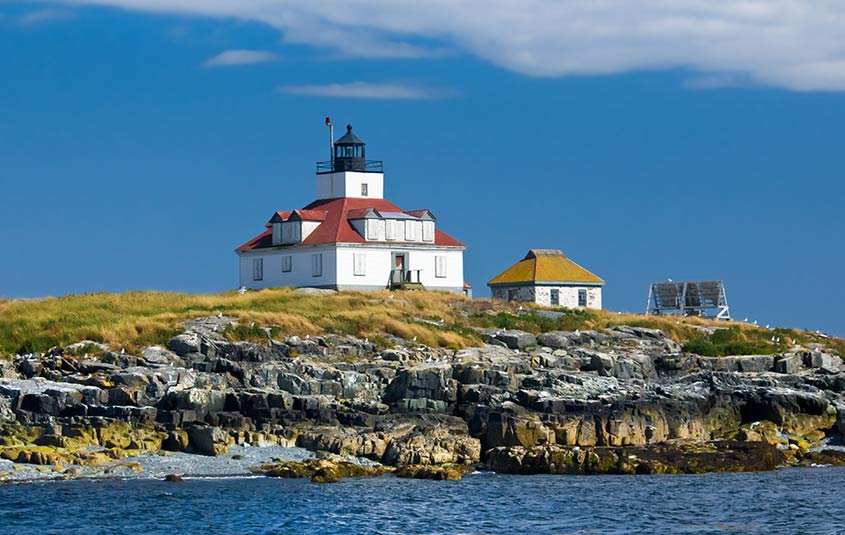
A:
x: 568, y: 295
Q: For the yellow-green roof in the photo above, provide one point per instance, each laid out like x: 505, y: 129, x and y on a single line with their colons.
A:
x: 545, y: 265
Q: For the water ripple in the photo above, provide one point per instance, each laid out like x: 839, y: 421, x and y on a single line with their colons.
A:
x: 805, y: 501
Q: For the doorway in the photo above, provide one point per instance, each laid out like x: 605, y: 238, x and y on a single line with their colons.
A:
x: 398, y: 268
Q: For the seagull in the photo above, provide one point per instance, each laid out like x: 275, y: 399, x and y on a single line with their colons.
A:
x: 307, y: 336
x: 86, y: 356
x: 577, y: 331
x: 414, y: 339
x: 251, y: 325
x: 242, y: 290
x: 122, y: 351
x: 390, y: 296
x: 366, y: 340
x: 219, y: 315
x: 767, y: 325
x: 521, y: 308
x: 670, y: 279
x: 754, y: 322
x: 773, y: 339
x: 745, y: 320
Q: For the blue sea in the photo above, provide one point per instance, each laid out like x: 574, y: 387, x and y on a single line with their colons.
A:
x: 789, y: 501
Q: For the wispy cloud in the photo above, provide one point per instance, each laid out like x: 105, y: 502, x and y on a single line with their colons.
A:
x: 367, y: 90
x: 231, y: 58
x: 44, y: 16
x: 782, y: 43
x: 718, y: 81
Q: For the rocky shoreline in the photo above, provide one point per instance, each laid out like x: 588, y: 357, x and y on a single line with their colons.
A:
x: 624, y: 401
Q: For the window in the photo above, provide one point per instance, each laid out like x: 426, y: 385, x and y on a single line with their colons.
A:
x: 372, y: 229
x: 554, y: 297
x: 287, y: 263
x: 392, y: 231
x: 412, y: 230
x: 582, y: 298
x: 440, y: 267
x: 428, y: 230
x: 317, y: 265
x: 257, y: 269
x: 364, y: 190
x: 359, y: 264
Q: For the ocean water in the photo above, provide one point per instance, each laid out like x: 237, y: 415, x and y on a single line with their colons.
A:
x: 789, y: 501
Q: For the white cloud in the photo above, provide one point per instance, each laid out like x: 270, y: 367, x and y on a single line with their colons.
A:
x: 366, y: 90
x: 43, y: 16
x: 786, y: 43
x: 230, y: 58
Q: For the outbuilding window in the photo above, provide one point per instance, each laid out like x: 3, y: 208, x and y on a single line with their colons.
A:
x: 554, y: 297
x: 364, y: 190
x: 257, y: 269
x: 582, y: 298
x: 287, y: 264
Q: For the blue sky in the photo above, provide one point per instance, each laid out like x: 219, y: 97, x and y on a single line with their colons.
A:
x: 139, y: 148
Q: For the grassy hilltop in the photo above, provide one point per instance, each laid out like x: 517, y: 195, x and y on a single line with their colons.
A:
x: 135, y: 320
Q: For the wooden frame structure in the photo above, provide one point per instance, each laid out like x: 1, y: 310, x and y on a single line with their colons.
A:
x: 703, y: 299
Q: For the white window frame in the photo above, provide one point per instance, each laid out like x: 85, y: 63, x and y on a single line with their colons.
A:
x: 371, y: 229
x: 391, y: 230
x: 411, y: 233
x: 287, y: 263
x: 359, y: 264
x: 440, y: 269
x: 317, y: 265
x: 428, y: 231
x: 365, y: 190
x: 257, y: 269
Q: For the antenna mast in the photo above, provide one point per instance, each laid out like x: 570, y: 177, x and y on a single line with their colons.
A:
x: 331, y: 138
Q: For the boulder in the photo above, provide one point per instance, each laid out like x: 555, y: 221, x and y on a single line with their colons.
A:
x: 516, y: 339
x: 429, y: 381
x: 185, y: 344
x: 159, y: 356
x: 789, y: 364
x: 555, y: 339
x: 207, y: 440
x: 823, y: 361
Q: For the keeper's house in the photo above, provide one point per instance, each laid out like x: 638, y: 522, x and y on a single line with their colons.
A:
x: 547, y: 277
x: 351, y: 237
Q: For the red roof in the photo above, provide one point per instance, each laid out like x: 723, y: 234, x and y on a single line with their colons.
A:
x: 358, y: 213
x: 418, y: 213
x: 281, y: 215
x: 310, y: 215
x: 336, y: 228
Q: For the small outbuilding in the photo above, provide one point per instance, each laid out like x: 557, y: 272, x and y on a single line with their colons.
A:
x: 547, y: 277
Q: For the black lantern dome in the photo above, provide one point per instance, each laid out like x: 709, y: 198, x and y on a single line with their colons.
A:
x: 349, y: 152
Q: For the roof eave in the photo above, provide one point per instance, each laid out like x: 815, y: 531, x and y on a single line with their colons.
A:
x: 544, y: 283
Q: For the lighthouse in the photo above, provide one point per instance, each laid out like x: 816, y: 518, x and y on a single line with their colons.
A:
x: 351, y: 237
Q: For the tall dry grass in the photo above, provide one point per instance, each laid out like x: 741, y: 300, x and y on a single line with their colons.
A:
x: 134, y: 320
